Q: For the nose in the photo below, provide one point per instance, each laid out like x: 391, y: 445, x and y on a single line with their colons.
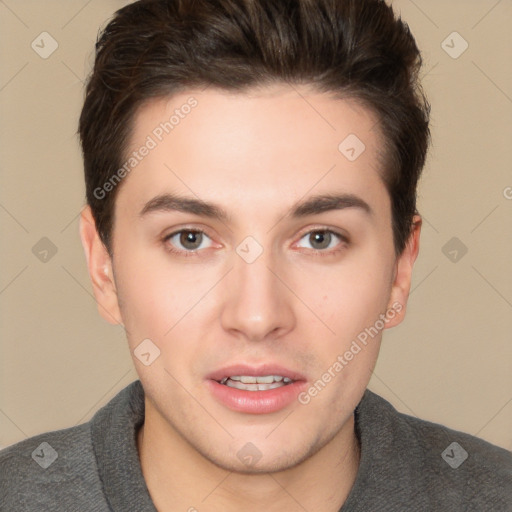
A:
x: 257, y: 304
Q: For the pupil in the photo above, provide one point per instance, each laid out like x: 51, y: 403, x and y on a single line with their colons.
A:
x: 190, y: 239
x: 321, y: 237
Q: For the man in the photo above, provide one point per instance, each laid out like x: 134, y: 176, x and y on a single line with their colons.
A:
x: 251, y: 170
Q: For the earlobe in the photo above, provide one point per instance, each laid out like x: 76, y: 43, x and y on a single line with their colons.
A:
x: 99, y: 265
x: 403, y: 274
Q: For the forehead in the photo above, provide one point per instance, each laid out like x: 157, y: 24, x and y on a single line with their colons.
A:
x: 267, y: 144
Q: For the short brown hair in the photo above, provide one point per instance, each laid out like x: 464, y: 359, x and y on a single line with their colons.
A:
x: 356, y: 49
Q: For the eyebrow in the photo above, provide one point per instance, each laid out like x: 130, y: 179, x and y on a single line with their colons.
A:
x: 312, y: 206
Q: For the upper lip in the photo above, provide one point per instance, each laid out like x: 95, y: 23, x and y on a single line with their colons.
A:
x: 254, y: 371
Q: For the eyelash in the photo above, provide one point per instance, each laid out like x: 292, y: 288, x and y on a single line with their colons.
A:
x: 316, y: 252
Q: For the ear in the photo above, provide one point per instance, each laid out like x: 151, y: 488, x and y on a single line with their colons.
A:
x: 403, y: 274
x: 99, y: 265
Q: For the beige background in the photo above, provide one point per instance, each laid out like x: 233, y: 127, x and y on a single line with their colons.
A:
x: 451, y: 360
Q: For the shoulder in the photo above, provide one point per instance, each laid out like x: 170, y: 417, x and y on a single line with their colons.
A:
x: 447, y: 467
x: 51, y: 471
x: 65, y: 469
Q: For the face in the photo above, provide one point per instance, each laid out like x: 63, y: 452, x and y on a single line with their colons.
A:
x: 248, y: 243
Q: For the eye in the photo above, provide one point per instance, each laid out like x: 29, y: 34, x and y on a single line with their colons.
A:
x: 322, y: 239
x: 188, y: 240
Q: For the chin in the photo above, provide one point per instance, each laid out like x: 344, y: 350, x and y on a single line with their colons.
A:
x: 248, y: 460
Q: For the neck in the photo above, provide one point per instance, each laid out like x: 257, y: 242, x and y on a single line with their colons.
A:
x: 179, y: 478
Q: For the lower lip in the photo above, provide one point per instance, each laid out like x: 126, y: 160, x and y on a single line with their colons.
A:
x: 256, y: 402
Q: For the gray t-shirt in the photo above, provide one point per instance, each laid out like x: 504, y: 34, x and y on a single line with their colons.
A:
x: 406, y: 464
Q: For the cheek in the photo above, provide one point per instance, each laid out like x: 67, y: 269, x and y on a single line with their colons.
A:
x: 351, y: 297
x: 162, y: 307
x: 350, y: 304
x: 153, y: 296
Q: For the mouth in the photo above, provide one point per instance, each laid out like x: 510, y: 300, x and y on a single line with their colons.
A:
x: 255, y: 389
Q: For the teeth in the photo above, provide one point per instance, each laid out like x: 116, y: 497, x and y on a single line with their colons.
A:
x: 267, y: 379
x: 252, y: 383
x: 264, y: 379
x: 253, y: 387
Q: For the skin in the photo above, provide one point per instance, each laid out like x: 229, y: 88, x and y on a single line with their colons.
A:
x: 298, y: 304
